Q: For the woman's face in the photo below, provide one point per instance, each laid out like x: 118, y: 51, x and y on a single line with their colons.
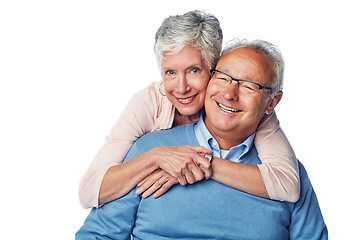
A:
x: 185, y: 76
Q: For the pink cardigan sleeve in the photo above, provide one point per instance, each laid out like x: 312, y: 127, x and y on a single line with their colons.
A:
x: 141, y: 115
x: 279, y: 168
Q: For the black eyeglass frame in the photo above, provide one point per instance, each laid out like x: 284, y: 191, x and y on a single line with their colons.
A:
x: 212, y: 72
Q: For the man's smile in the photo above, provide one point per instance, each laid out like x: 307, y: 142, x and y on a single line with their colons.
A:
x: 228, y: 109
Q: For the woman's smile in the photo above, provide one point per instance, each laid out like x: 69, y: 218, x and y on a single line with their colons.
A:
x: 187, y: 100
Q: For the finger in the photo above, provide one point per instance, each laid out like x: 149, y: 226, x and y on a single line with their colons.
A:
x: 182, y: 180
x: 157, y: 184
x: 144, y: 187
x: 190, y: 178
x: 197, y: 172
x: 150, y: 179
x: 143, y: 181
x: 148, y: 182
x: 208, y: 172
x: 165, y: 187
x: 149, y: 191
x: 206, y: 169
x: 201, y: 149
x: 205, y: 166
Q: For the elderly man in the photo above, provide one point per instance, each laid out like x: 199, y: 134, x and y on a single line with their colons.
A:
x: 245, y: 85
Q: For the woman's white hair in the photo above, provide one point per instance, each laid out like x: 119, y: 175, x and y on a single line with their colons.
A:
x: 195, y: 28
x: 269, y: 50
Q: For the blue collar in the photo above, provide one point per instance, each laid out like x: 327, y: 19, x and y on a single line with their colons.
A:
x: 206, y: 139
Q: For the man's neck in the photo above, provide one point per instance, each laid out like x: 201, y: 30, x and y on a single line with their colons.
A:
x: 227, y: 144
x: 226, y: 140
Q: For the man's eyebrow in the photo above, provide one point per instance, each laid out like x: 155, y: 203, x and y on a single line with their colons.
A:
x: 245, y: 77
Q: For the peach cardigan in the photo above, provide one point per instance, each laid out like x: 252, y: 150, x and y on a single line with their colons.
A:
x: 149, y: 111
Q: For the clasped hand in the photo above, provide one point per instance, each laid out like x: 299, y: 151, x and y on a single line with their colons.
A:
x: 180, y: 164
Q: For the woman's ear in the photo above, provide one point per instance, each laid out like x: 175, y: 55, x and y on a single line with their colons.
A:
x: 273, y: 102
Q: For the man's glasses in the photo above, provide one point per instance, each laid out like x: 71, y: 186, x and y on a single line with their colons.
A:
x: 245, y: 86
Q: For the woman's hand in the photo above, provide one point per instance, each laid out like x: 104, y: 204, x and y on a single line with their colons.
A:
x: 183, y: 162
x: 158, y: 182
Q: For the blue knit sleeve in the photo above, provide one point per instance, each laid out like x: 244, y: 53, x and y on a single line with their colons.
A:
x: 306, y: 220
x: 114, y: 220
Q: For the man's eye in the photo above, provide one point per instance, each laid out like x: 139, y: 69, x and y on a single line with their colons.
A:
x: 250, y: 86
x: 223, y: 79
x: 170, y: 72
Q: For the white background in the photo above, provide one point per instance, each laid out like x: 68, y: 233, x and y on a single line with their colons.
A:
x: 68, y: 68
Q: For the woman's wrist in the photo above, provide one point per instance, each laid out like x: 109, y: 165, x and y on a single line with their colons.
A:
x: 150, y: 159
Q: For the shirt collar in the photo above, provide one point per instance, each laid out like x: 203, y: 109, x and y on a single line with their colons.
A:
x: 208, y: 141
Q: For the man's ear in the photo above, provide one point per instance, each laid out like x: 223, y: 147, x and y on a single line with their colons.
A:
x: 273, y: 102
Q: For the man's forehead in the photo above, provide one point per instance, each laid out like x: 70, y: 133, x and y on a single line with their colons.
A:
x: 245, y: 55
x: 246, y: 62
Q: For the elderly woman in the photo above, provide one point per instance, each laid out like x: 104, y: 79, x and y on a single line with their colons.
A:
x: 187, y: 48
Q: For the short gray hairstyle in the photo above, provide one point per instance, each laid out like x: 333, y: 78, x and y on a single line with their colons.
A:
x: 269, y: 50
x: 195, y: 28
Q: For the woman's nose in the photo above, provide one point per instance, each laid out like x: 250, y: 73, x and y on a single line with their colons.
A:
x: 182, y: 85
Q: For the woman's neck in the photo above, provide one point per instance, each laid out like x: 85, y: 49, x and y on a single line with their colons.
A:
x: 185, y: 119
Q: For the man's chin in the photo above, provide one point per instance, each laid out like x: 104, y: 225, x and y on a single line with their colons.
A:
x: 220, y: 125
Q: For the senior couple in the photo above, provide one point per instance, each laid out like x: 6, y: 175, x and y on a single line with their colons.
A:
x: 238, y: 176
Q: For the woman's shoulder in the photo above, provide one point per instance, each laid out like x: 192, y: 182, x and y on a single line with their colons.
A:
x: 150, y: 94
x: 162, y: 109
x: 152, y: 89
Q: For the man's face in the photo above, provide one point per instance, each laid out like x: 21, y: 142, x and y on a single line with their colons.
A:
x: 231, y: 115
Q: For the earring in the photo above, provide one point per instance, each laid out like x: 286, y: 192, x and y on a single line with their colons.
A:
x: 160, y: 89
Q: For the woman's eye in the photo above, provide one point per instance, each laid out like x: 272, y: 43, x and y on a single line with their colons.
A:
x: 194, y: 70
x: 170, y: 72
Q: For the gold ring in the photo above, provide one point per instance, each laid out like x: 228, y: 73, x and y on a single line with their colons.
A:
x: 159, y: 182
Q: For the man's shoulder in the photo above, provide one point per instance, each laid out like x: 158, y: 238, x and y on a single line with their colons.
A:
x: 181, y: 135
x: 304, y: 177
x: 178, y: 136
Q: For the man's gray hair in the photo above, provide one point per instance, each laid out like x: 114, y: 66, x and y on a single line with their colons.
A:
x: 195, y: 28
x: 269, y: 50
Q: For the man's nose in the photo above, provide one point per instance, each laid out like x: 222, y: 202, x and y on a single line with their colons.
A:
x: 231, y: 91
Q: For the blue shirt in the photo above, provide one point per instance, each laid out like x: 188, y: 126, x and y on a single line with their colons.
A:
x: 206, y: 209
